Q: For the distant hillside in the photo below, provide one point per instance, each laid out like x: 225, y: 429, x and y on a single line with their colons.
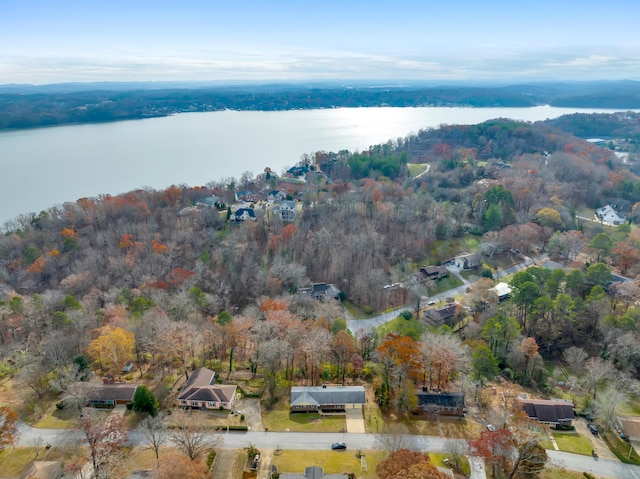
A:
x: 25, y: 106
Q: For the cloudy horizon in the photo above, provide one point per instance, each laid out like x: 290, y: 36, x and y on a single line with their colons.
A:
x: 74, y: 41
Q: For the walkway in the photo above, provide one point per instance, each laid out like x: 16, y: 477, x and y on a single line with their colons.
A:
x: 355, y: 419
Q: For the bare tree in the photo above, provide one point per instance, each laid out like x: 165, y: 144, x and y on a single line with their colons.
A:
x: 105, y: 437
x: 392, y: 438
x: 155, y: 435
x: 597, y: 370
x: 575, y: 357
x: 191, y: 436
x: 607, y: 402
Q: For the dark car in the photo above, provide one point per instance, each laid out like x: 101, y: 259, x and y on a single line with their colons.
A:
x: 336, y: 446
x: 593, y: 428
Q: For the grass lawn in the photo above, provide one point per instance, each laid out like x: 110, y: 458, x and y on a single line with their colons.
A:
x: 280, y: 420
x: 630, y: 408
x: 620, y: 448
x: 416, y: 169
x: 333, y: 462
x: 556, y: 473
x: 14, y: 461
x: 373, y: 420
x: 448, y: 427
x: 443, y: 284
x: 56, y: 418
x: 573, y: 442
x: 439, y: 460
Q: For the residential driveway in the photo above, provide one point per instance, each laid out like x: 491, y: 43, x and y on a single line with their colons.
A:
x: 250, y: 407
x: 355, y: 420
x: 597, y: 443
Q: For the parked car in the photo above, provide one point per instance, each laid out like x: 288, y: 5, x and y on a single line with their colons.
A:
x: 338, y: 446
x: 490, y: 427
x: 431, y: 303
x: 593, y: 428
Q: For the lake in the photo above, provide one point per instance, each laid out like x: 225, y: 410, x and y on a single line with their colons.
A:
x: 44, y: 167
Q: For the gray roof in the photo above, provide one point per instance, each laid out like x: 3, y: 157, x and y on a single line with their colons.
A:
x: 313, y: 472
x: 329, y: 394
x: 103, y: 392
x: 550, y: 411
x: 201, y: 386
x: 446, y: 399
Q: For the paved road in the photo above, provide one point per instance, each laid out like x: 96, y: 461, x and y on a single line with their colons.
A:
x: 368, y: 325
x: 322, y: 441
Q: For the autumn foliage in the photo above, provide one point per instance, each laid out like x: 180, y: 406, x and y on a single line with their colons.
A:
x: 179, y: 465
x: 8, y: 427
x: 405, y: 464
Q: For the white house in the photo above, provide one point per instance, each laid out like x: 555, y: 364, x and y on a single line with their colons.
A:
x: 243, y: 214
x: 608, y: 215
x: 286, y: 210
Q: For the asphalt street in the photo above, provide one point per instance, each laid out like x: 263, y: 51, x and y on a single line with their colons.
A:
x: 322, y: 441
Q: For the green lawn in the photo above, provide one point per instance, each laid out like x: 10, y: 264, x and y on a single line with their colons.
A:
x: 56, y: 418
x: 444, y: 284
x: 281, y: 420
x: 573, y: 442
x: 621, y: 448
x: 333, y: 462
x: 14, y: 461
x: 556, y: 473
x: 416, y: 169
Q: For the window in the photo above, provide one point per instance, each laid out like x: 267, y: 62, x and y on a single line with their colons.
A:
x: 194, y: 403
x: 212, y: 404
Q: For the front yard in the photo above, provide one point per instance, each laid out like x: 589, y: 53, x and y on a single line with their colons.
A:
x: 280, y: 420
x: 572, y: 442
x: 333, y: 462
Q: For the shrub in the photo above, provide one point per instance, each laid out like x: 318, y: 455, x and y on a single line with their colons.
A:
x: 60, y: 405
x: 129, y: 406
x: 367, y: 309
x: 210, y: 458
x: 220, y: 408
x: 241, y: 417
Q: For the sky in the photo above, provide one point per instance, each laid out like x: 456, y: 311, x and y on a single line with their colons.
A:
x: 47, y: 41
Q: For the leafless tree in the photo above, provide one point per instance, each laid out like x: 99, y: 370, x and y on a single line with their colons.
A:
x: 190, y: 434
x: 105, y: 437
x: 155, y: 435
x: 393, y: 437
x: 575, y: 357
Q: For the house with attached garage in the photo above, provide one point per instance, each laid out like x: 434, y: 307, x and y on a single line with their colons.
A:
x: 326, y: 399
x: 275, y: 195
x: 432, y: 273
x: 468, y: 260
x: 202, y: 392
x: 99, y: 395
x: 608, y: 215
x: 553, y: 412
x: 246, y: 197
x: 243, y: 214
x: 321, y: 291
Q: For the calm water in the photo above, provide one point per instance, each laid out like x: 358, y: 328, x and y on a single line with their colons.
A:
x: 44, y: 167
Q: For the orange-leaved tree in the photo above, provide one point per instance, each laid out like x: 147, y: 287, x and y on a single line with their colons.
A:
x: 405, y: 464
x: 8, y: 427
x: 112, y: 349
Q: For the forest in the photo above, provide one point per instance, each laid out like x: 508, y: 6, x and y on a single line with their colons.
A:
x: 31, y: 106
x: 182, y: 286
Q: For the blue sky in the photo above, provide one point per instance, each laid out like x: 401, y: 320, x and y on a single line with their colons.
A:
x: 46, y: 41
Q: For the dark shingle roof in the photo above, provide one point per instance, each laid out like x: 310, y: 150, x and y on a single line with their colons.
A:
x: 330, y: 394
x: 548, y: 411
x: 426, y: 399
